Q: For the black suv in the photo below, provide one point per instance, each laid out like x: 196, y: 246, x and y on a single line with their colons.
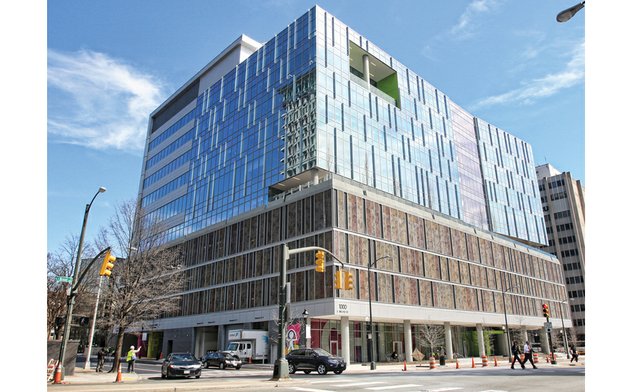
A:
x: 220, y: 360
x: 310, y: 359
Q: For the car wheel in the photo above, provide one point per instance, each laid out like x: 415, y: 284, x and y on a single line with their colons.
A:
x: 337, y: 371
x: 222, y: 366
x: 321, y: 369
x: 198, y: 376
x: 307, y: 371
x: 163, y: 375
x: 238, y: 367
x: 291, y: 368
x: 207, y: 365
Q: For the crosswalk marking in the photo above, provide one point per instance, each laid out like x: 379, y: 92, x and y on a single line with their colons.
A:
x: 494, y: 390
x: 394, y: 387
x: 445, y: 389
x: 311, y: 389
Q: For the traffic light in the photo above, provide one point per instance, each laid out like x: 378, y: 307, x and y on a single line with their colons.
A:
x: 320, y: 261
x: 338, y: 279
x: 108, y: 264
x: 546, y: 310
x: 348, y: 280
x: 83, y: 321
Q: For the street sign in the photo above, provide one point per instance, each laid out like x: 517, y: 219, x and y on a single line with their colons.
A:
x: 66, y: 279
x: 548, y: 326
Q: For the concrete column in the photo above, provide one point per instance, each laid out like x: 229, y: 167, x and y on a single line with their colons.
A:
x: 524, y: 334
x: 408, y: 342
x: 344, y: 336
x: 448, y: 339
x: 381, y: 353
x: 544, y: 341
x: 480, y: 340
x: 366, y: 69
x: 507, y: 345
x: 308, y: 333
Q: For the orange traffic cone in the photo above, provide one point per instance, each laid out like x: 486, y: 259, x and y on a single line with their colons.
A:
x: 250, y: 359
x: 495, y: 360
x: 404, y: 365
x: 58, y: 374
x: 457, y: 364
x: 473, y: 365
x: 119, y: 375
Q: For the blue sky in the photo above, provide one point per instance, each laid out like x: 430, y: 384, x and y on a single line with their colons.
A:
x: 111, y: 63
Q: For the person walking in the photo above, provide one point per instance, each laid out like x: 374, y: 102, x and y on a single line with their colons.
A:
x: 527, y: 350
x: 574, y: 354
x: 131, y: 357
x: 100, y: 359
x: 515, y: 355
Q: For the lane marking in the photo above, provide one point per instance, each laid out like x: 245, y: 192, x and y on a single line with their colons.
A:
x: 494, y: 390
x: 360, y: 383
x: 445, y: 389
x: 393, y: 387
x: 311, y: 390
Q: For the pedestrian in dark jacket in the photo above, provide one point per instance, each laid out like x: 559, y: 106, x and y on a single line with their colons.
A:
x: 100, y: 359
x: 515, y: 355
x: 574, y: 353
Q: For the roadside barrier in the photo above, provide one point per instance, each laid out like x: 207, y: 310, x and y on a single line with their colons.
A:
x: 432, y: 363
x: 457, y: 364
x: 404, y: 365
x: 473, y: 365
x: 485, y: 361
x: 495, y: 360
x: 535, y: 357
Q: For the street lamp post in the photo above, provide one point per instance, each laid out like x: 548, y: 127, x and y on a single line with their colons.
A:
x: 564, y: 329
x: 506, y: 316
x: 71, y: 296
x: 373, y: 365
x: 92, y: 327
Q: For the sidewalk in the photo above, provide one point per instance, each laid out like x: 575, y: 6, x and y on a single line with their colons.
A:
x: 91, y: 381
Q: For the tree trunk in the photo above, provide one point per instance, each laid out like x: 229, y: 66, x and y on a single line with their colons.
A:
x: 118, y: 353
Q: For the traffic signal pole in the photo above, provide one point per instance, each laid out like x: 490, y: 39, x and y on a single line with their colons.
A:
x: 281, y: 370
x: 92, y: 327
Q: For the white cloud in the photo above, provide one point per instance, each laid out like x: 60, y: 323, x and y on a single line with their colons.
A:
x: 550, y: 84
x: 98, y: 101
x: 466, y: 23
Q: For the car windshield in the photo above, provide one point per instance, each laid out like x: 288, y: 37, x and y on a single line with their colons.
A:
x: 232, y: 346
x: 183, y: 357
x: 322, y: 352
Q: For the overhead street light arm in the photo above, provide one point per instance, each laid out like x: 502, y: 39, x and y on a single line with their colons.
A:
x: 570, y: 12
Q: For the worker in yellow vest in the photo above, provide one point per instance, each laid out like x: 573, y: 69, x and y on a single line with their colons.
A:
x: 131, y: 357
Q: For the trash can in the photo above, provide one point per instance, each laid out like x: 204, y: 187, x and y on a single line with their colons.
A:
x: 442, y: 360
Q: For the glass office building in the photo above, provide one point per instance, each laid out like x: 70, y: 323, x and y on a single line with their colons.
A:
x: 272, y: 143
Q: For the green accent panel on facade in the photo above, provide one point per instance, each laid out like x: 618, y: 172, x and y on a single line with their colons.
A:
x: 389, y: 85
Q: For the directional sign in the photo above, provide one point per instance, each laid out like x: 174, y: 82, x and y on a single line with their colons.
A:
x: 66, y: 279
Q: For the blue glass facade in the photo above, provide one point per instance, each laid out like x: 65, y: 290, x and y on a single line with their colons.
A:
x: 320, y: 95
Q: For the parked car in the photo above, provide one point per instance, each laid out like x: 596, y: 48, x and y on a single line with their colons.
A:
x: 181, y: 365
x: 221, y: 360
x: 309, y: 360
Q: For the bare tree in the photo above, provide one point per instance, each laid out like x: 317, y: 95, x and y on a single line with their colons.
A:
x: 432, y: 335
x: 147, y: 278
x: 61, y: 264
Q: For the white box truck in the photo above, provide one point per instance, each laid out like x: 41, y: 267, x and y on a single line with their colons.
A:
x: 248, y: 344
